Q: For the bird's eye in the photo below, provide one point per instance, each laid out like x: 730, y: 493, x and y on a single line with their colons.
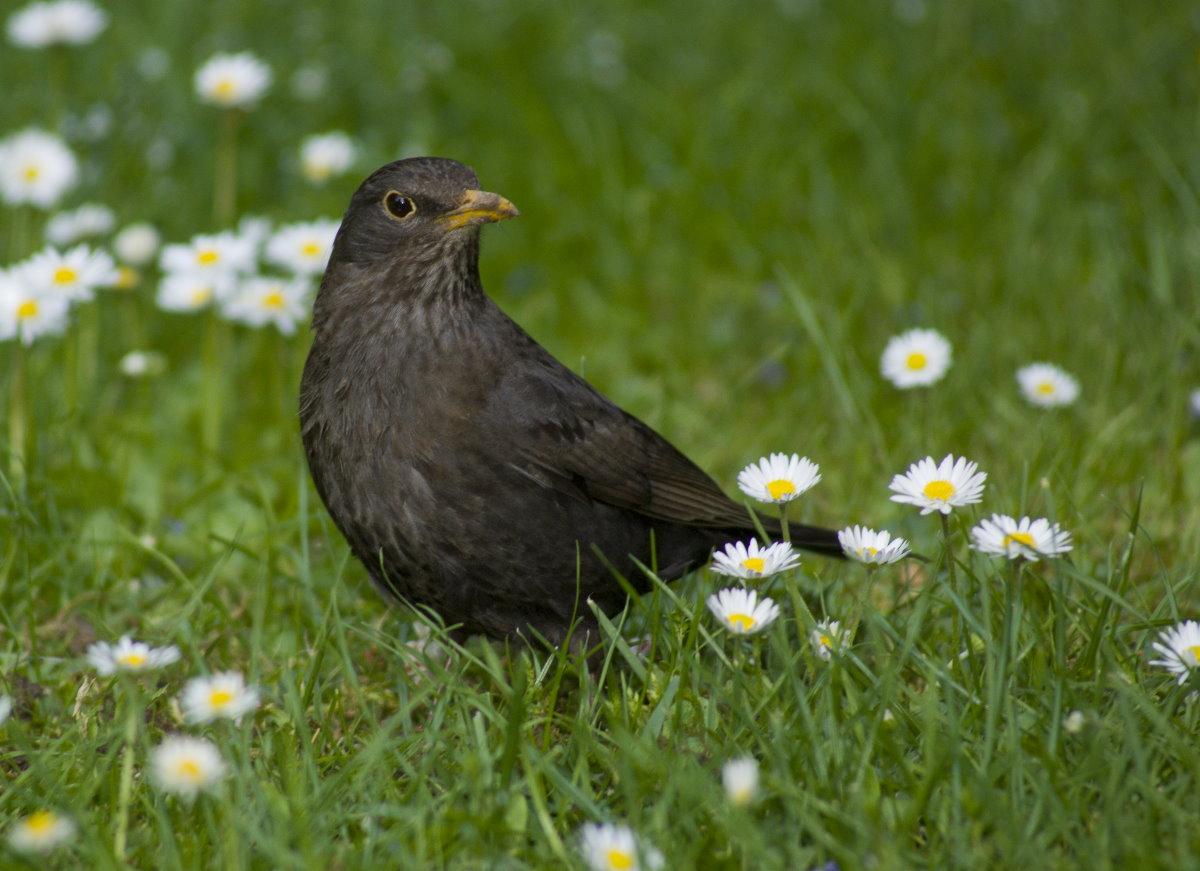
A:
x: 398, y: 205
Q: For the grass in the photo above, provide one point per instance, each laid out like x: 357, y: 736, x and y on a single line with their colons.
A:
x: 725, y: 214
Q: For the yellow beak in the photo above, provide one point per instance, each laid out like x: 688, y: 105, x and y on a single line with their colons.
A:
x: 478, y: 207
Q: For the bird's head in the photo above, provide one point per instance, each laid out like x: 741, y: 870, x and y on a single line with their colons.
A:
x: 419, y: 209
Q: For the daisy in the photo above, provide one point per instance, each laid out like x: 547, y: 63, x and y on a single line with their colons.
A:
x: 6, y: 706
x: 223, y: 694
x: 778, y: 478
x: 943, y: 486
x: 73, y: 275
x: 871, y: 547
x: 915, y: 358
x: 210, y: 254
x: 68, y: 22
x: 326, y: 155
x: 40, y: 832
x: 90, y: 219
x: 35, y: 167
x: 232, y: 80
x: 1046, y: 385
x: 740, y: 778
x: 27, y: 314
x: 1001, y: 535
x: 302, y: 249
x: 828, y: 637
x: 191, y: 291
x: 741, y: 611
x: 611, y: 847
x: 129, y: 656
x: 749, y: 560
x: 1179, y: 648
x: 260, y: 301
x: 185, y: 766
x: 137, y: 244
x: 140, y: 364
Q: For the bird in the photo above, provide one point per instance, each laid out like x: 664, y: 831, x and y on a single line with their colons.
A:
x: 471, y: 472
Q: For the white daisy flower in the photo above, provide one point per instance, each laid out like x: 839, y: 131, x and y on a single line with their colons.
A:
x: 741, y: 611
x: 129, y: 656
x: 40, y: 832
x: 915, y: 358
x: 750, y: 560
x: 778, y: 478
x: 192, y: 291
x: 142, y: 364
x: 186, y: 766
x: 943, y: 486
x: 612, y: 847
x: 1047, y: 385
x: 223, y: 694
x: 27, y: 314
x: 1001, y: 535
x: 224, y: 253
x: 232, y: 80
x: 828, y: 637
x: 871, y: 547
x: 740, y: 779
x: 1194, y: 403
x: 1179, y: 648
x: 35, y: 167
x: 73, y: 275
x: 90, y: 219
x: 260, y: 301
x: 1074, y: 722
x: 59, y: 22
x: 6, y: 706
x: 326, y: 155
x: 137, y: 244
x: 302, y: 249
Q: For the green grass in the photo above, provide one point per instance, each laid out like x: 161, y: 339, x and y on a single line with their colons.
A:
x: 726, y: 212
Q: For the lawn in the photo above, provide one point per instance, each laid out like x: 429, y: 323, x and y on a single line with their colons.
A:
x: 727, y: 211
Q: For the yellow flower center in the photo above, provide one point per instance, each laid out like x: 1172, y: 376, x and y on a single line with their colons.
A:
x: 824, y: 640
x: 1044, y: 388
x: 132, y: 660
x: 189, y: 769
x: 273, y: 300
x: 65, y: 275
x: 916, y: 360
x: 220, y: 698
x: 41, y: 823
x: 745, y: 621
x: 740, y: 795
x: 201, y: 296
x: 207, y: 256
x: 1020, y: 538
x: 938, y: 490
x: 310, y: 249
x: 225, y: 88
x: 1194, y: 650
x: 618, y: 859
x: 780, y: 488
x: 754, y: 564
x: 31, y: 172
x: 27, y: 310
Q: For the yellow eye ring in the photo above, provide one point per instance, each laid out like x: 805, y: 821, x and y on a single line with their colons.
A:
x: 399, y: 206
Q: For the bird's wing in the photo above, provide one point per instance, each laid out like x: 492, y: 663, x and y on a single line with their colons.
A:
x: 568, y: 436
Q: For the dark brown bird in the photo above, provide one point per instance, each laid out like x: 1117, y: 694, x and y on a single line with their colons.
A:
x: 469, y: 469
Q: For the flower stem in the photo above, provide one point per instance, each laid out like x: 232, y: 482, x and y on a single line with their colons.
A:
x: 125, y: 790
x: 225, y: 182
x: 18, y: 419
x: 784, y: 522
